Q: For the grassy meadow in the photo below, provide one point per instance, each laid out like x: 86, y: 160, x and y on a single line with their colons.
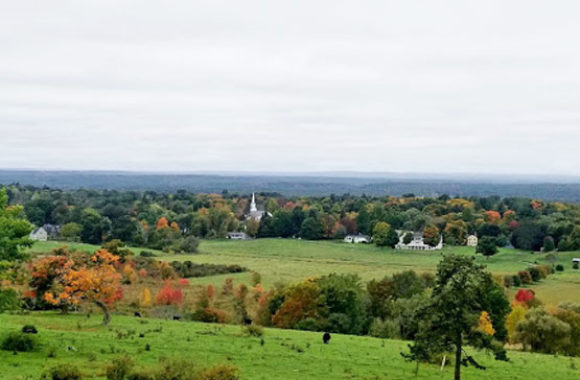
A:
x: 285, y: 354
x: 286, y: 260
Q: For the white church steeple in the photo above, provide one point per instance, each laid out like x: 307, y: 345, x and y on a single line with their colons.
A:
x: 253, y: 207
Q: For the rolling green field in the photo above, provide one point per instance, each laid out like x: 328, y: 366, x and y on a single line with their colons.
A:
x: 285, y: 354
x: 288, y: 261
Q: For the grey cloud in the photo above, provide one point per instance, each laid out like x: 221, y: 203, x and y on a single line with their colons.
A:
x: 415, y: 86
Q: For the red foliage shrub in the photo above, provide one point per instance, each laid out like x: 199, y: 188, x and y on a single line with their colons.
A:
x: 169, y: 296
x: 183, y: 282
x: 525, y: 295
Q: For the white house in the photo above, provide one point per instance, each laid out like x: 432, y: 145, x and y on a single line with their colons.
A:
x: 417, y: 244
x: 360, y: 238
x: 237, y: 236
x: 52, y: 230
x: 472, y: 241
x: 39, y: 234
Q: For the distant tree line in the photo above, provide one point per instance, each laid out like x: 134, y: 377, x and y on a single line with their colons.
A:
x: 166, y: 221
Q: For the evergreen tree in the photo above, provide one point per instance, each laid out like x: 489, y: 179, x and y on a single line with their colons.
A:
x: 451, y: 320
x: 363, y: 221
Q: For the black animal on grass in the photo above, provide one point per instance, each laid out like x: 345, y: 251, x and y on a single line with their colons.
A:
x: 326, y: 338
x: 176, y: 317
x: 138, y: 315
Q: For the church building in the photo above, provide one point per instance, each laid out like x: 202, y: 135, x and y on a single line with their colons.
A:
x: 254, y: 212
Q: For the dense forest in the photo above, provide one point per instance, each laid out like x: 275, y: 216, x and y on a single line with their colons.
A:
x: 173, y: 221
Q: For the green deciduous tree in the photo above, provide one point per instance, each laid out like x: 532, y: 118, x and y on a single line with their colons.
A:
x: 542, y: 332
x: 486, y: 246
x: 431, y: 235
x: 70, y: 232
x: 311, y: 228
x: 343, y: 303
x: 384, y: 235
x: 14, y: 230
x: 457, y: 231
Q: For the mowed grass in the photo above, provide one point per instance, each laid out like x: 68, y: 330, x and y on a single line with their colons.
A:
x: 288, y: 260
x: 285, y: 354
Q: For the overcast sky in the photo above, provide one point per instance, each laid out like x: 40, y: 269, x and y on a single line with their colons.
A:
x: 405, y: 86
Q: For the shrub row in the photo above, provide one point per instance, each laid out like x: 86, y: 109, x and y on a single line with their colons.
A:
x: 526, y: 277
x: 122, y: 368
x: 190, y: 269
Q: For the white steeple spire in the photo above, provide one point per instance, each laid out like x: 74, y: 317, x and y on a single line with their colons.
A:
x: 253, y: 207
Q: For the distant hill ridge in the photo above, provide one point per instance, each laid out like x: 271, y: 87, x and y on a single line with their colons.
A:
x: 295, y: 185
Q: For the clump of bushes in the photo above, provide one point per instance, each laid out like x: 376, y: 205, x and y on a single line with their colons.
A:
x: 63, y: 372
x: 120, y: 368
x: 386, y: 329
x: 175, y: 369
x: 532, y: 274
x: 19, y: 341
x: 253, y: 330
x: 146, y: 254
x: 141, y: 376
x: 190, y: 269
x: 508, y: 281
x: 181, y: 369
x: 9, y: 300
x: 535, y: 274
x: 209, y: 315
x: 219, y: 372
x: 189, y: 244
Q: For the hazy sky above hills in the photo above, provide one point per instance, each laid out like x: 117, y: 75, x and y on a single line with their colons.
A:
x: 407, y: 86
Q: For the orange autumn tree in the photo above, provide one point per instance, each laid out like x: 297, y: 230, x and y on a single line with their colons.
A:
x: 96, y: 282
x: 492, y: 216
x: 162, y: 223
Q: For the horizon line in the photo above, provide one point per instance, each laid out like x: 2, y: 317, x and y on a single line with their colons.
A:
x: 359, y: 174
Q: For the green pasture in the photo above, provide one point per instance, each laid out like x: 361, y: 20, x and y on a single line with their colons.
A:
x: 287, y: 260
x: 284, y: 354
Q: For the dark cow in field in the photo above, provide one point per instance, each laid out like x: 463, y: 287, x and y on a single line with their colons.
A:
x: 177, y: 318
x: 138, y: 315
x: 326, y: 338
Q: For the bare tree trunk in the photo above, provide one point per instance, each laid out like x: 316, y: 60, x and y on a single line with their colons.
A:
x: 458, y: 359
x: 106, y: 313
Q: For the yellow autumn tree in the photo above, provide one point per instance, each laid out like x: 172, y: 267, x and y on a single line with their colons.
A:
x: 145, y: 298
x: 129, y: 274
x: 517, y: 314
x: 484, y: 324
